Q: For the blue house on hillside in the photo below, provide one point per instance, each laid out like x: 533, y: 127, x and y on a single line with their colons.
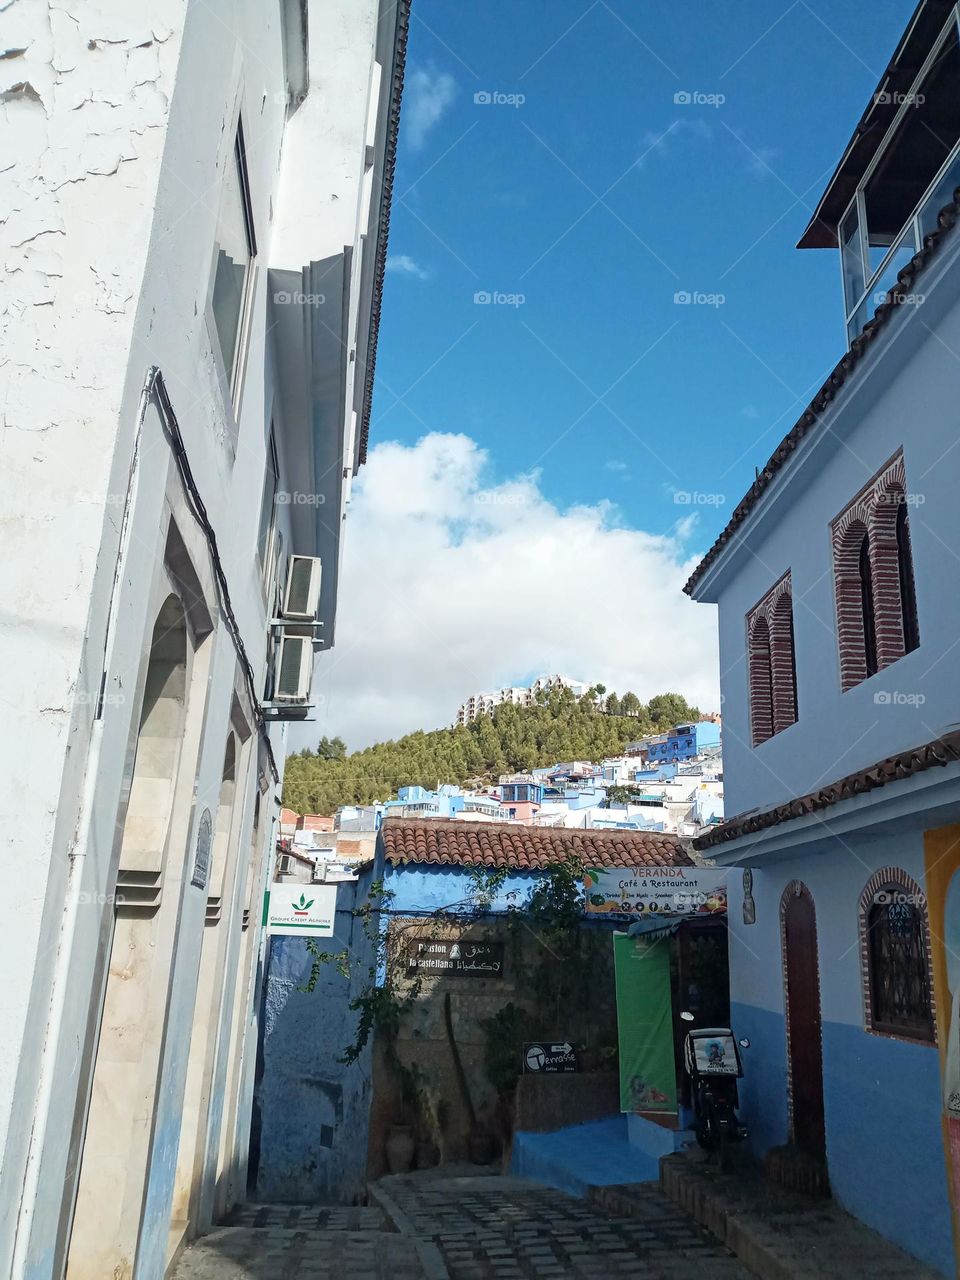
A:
x: 684, y: 742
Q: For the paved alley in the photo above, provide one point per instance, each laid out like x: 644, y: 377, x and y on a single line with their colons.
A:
x: 429, y: 1227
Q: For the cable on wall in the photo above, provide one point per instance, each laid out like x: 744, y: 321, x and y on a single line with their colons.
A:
x: 157, y: 387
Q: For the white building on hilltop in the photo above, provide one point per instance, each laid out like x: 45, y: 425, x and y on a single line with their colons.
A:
x: 197, y: 200
x: 484, y: 704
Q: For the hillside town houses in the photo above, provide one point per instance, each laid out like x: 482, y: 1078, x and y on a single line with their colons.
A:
x: 484, y: 704
x: 682, y: 795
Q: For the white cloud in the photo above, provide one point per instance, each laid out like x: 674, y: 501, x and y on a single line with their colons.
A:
x: 426, y: 96
x: 760, y: 161
x: 404, y: 265
x: 661, y: 141
x: 450, y: 585
x: 613, y: 464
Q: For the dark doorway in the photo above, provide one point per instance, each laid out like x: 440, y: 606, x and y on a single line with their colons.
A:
x: 804, y: 1033
x: 700, y: 982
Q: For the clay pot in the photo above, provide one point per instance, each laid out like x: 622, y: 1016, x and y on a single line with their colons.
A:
x: 400, y: 1148
x: 481, y: 1146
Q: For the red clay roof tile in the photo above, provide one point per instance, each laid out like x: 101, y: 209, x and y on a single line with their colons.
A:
x: 496, y: 844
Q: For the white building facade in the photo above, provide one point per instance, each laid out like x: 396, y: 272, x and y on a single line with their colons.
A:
x: 484, y: 704
x: 199, y: 197
x: 838, y: 586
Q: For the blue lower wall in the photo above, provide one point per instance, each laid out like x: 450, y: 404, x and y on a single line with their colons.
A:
x: 313, y: 1109
x: 879, y: 1095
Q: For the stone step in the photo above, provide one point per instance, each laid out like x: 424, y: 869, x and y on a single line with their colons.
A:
x: 777, y: 1233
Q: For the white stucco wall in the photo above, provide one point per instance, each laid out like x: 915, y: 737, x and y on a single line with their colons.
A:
x: 84, y: 114
x: 121, y: 116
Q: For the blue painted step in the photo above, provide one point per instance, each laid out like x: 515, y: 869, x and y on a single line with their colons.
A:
x: 597, y: 1154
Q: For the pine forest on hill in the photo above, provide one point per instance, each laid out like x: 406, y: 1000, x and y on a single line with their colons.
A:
x: 557, y: 727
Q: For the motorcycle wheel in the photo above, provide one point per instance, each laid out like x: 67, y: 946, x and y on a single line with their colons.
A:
x: 705, y: 1139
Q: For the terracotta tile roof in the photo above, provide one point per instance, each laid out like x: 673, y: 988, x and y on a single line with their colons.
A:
x: 831, y: 388
x: 932, y: 755
x: 500, y: 844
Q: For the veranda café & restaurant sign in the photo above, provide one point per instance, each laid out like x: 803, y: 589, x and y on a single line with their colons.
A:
x: 656, y: 891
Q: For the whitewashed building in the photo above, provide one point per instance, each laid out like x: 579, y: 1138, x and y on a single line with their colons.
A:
x: 484, y: 704
x: 197, y: 198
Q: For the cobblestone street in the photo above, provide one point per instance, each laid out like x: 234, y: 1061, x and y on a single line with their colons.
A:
x: 424, y: 1227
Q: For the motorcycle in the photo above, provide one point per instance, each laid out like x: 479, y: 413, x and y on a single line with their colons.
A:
x: 712, y: 1060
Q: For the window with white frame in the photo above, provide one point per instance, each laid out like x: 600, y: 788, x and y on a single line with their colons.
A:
x: 914, y: 173
x: 233, y: 257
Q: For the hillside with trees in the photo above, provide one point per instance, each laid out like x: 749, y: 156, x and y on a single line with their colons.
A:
x: 558, y: 727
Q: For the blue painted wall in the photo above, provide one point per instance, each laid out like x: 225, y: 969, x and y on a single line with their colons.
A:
x: 881, y: 1095
x: 683, y: 746
x: 422, y: 889
x: 313, y: 1109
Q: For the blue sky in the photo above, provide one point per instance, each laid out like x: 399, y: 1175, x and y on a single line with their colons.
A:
x: 518, y: 514
x: 706, y: 197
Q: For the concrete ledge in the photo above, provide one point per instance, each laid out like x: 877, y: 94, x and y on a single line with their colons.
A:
x: 780, y: 1234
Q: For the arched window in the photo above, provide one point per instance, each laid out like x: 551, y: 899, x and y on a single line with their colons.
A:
x: 783, y: 664
x: 772, y: 662
x: 867, y: 608
x: 873, y: 577
x: 908, y: 594
x: 761, y: 682
x: 895, y: 951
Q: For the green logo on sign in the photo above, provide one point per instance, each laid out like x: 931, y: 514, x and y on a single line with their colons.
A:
x: 303, y: 906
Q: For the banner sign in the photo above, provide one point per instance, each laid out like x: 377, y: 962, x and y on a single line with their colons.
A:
x: 716, y: 1056
x: 648, y: 1077
x: 543, y: 1057
x: 656, y: 891
x: 462, y: 958
x: 295, y: 910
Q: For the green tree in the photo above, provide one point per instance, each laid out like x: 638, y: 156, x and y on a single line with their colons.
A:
x: 331, y: 749
x: 618, y: 795
x: 612, y: 705
x: 630, y: 705
x: 669, y: 709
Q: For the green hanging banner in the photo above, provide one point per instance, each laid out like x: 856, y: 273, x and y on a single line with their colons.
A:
x: 648, y: 1078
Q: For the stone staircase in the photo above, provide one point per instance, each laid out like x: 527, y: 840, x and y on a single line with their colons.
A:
x: 776, y: 1232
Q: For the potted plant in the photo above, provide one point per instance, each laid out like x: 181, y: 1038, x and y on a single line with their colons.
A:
x: 401, y: 1144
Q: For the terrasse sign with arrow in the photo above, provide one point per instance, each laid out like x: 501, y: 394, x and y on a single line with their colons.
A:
x: 545, y: 1057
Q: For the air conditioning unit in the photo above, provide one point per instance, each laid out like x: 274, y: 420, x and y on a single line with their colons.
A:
x: 294, y: 669
x: 302, y: 596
